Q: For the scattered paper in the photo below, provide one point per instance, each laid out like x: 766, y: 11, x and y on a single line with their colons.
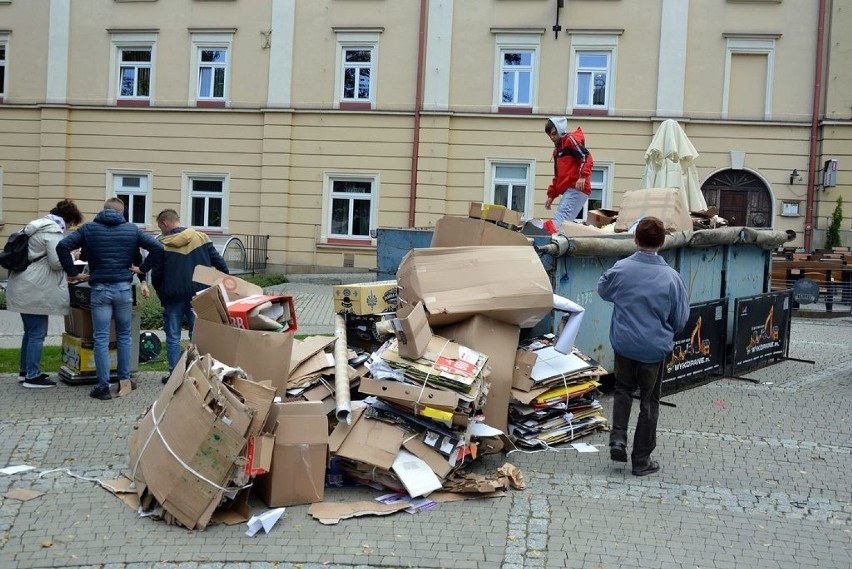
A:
x: 584, y: 447
x: 16, y: 469
x: 414, y: 504
x: 330, y: 513
x: 266, y: 521
x: 551, y: 363
x: 478, y: 429
x: 22, y: 494
x: 124, y: 387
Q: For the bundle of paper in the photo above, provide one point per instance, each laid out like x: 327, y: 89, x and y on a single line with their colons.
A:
x: 444, y: 364
x: 566, y: 430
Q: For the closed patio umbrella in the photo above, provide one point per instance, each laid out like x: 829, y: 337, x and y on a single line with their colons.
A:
x: 670, y: 163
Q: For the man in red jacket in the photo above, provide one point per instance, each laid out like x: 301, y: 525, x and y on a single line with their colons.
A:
x: 572, y: 170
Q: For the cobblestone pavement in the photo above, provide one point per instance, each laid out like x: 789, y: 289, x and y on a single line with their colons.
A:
x: 753, y: 475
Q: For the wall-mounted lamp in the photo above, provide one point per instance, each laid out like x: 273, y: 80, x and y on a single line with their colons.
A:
x: 795, y: 176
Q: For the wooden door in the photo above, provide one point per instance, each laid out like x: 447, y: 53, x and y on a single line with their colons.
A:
x: 733, y: 206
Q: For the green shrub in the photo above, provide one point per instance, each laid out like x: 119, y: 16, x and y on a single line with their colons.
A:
x: 151, y: 317
x: 264, y: 281
x: 832, y: 236
x: 2, y: 300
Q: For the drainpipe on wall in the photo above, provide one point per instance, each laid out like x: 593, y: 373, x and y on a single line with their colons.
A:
x: 812, y: 156
x: 418, y: 108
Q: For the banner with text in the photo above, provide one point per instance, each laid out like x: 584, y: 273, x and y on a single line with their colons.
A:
x: 761, y: 330
x: 699, y: 349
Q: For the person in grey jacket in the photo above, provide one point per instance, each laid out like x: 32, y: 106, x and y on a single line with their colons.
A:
x: 111, y: 244
x: 651, y: 305
x: 41, y: 289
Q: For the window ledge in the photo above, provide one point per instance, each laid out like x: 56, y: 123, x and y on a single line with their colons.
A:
x: 132, y: 103
x: 590, y: 112
x: 352, y: 106
x: 360, y: 244
x: 515, y: 110
x: 210, y: 104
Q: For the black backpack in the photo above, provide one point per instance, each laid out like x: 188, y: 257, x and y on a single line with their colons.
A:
x: 15, y: 255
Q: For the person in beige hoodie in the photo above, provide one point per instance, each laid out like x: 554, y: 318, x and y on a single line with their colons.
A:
x: 41, y: 289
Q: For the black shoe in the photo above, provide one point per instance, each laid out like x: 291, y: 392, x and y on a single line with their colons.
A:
x: 41, y: 382
x: 101, y: 393
x: 650, y: 468
x: 618, y: 452
x: 165, y: 379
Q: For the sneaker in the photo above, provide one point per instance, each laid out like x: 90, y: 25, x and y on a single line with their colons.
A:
x: 650, y: 468
x: 101, y: 393
x: 41, y: 382
x: 165, y: 379
x: 22, y: 377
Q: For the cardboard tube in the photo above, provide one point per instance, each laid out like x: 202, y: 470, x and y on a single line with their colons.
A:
x: 341, y: 371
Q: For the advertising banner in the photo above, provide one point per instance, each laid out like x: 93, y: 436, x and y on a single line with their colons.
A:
x: 699, y: 349
x: 761, y: 330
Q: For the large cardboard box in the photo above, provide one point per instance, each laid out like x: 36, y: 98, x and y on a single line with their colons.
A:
x: 601, y: 217
x: 451, y: 231
x: 498, y: 341
x: 263, y: 312
x: 299, y: 457
x: 508, y: 284
x: 78, y: 354
x: 265, y: 356
x: 185, y: 448
x: 496, y: 213
x: 79, y: 323
x: 668, y: 204
x: 365, y: 298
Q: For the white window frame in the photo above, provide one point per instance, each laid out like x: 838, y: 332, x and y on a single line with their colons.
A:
x: 209, y: 40
x: 606, y: 190
x: 510, y: 43
x: 4, y: 65
x: 113, y: 190
x: 491, y: 165
x: 187, y: 194
x: 328, y: 180
x: 358, y: 40
x: 1, y: 196
x: 759, y: 45
x: 124, y: 40
x: 583, y: 42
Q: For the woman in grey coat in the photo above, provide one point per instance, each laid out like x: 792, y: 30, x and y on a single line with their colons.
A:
x: 41, y: 289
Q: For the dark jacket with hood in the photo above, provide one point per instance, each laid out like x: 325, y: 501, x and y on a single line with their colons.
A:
x: 185, y: 249
x: 111, y: 245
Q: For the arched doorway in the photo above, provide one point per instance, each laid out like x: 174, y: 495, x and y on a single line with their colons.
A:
x: 741, y: 197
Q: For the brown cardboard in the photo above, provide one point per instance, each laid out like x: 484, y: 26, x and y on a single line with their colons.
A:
x: 254, y: 312
x: 388, y: 389
x: 668, y: 204
x: 451, y: 231
x: 78, y: 323
x: 265, y: 356
x: 365, y: 298
x: 439, y: 465
x: 372, y: 442
x: 184, y: 459
x: 505, y: 283
x: 495, y: 213
x: 257, y: 396
x: 498, y: 341
x: 234, y: 287
x: 524, y: 363
x: 78, y: 354
x: 601, y: 217
x: 412, y: 331
x: 210, y: 304
x: 259, y: 454
x: 330, y: 513
x: 572, y: 229
x: 300, y: 456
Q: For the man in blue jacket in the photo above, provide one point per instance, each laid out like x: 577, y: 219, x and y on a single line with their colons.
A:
x: 111, y: 244
x: 650, y: 306
x: 185, y: 249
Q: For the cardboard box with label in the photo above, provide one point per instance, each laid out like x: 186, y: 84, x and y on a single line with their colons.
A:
x: 453, y: 231
x: 78, y: 354
x: 263, y: 312
x: 601, y: 217
x: 496, y: 213
x: 668, y: 204
x: 299, y: 457
x: 365, y: 298
x: 508, y: 284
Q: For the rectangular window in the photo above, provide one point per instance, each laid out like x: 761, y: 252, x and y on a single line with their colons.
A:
x: 598, y: 198
x: 135, y: 73
x: 351, y: 209
x: 511, y: 183
x: 2, y: 67
x: 517, y: 73
x: 212, y: 69
x: 133, y: 190
x: 357, y: 62
x: 357, y: 74
x: 207, y: 202
x: 592, y: 80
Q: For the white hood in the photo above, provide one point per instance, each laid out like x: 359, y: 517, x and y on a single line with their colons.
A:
x: 561, y: 124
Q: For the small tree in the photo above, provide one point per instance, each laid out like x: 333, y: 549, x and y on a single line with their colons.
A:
x: 832, y: 236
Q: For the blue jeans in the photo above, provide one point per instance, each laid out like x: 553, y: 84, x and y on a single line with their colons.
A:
x: 570, y: 205
x: 112, y: 301
x: 35, y: 329
x: 173, y: 315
